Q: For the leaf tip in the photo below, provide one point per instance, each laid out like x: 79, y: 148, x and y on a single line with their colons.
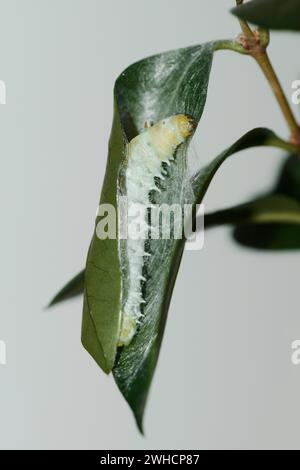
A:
x: 140, y: 427
x: 52, y: 302
x: 139, y: 419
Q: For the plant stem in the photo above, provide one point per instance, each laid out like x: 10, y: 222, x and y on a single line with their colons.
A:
x: 229, y: 44
x: 261, y: 57
x: 255, y: 44
x: 244, y: 25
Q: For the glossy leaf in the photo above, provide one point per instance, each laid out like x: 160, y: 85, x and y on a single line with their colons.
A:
x: 272, y: 14
x: 74, y: 288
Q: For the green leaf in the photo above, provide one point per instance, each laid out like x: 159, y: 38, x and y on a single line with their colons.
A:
x: 256, y: 137
x: 275, y: 209
x: 71, y: 289
x: 103, y: 280
x: 268, y: 236
x: 279, y: 229
x: 150, y: 90
x: 289, y: 178
x: 271, y: 14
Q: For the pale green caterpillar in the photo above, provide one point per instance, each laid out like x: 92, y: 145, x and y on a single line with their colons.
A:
x: 145, y: 155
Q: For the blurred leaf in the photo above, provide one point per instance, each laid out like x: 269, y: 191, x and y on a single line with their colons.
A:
x: 274, y: 209
x: 72, y: 289
x: 103, y: 281
x: 277, y: 234
x: 289, y: 178
x: 268, y: 236
x: 272, y: 14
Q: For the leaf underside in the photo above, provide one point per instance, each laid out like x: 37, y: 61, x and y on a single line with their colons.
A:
x: 272, y: 14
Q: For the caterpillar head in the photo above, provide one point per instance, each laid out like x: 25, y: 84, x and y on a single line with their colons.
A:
x: 169, y: 133
x: 164, y: 137
x: 183, y: 124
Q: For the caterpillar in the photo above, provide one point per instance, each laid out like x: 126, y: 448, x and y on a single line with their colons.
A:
x: 145, y: 156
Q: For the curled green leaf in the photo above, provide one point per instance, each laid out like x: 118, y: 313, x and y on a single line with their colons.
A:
x: 149, y: 91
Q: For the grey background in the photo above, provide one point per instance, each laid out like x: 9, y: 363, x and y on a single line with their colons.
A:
x: 225, y: 378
